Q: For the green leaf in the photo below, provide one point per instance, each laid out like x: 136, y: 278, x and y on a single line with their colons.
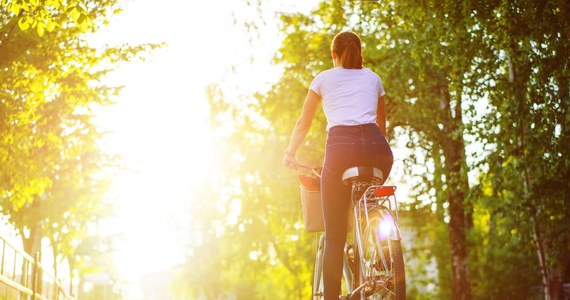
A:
x: 81, y: 19
x: 41, y: 28
x: 51, y: 25
x: 23, y: 23
x: 14, y: 7
x: 24, y: 5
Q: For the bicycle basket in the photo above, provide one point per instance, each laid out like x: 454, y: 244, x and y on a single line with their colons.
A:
x: 311, y: 205
x: 312, y: 210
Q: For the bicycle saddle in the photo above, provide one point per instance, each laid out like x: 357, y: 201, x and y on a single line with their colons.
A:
x: 362, y: 174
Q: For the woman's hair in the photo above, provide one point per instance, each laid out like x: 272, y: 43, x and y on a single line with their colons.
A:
x: 348, y: 47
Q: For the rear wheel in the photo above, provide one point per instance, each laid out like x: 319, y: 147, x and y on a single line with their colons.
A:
x: 382, y: 262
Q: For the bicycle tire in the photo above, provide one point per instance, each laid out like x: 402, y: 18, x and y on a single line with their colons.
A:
x: 317, y: 290
x: 390, y: 278
x: 318, y: 287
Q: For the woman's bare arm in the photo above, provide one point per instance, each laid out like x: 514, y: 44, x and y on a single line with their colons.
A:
x: 303, y: 124
x: 381, y: 115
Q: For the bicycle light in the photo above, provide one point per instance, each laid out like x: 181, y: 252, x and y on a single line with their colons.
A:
x: 386, y: 227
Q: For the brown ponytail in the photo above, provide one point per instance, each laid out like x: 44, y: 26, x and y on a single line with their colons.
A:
x: 348, y: 47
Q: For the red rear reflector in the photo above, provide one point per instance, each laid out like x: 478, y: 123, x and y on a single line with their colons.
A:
x: 384, y: 191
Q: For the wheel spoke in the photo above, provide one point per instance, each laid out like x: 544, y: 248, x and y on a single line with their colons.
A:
x: 384, y: 277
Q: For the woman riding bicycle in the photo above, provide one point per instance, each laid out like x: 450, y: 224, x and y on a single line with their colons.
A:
x: 353, y: 103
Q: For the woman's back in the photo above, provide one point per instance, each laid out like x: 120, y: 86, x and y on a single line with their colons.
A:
x: 350, y: 96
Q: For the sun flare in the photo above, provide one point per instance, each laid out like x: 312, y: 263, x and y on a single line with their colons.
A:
x: 160, y: 128
x: 160, y: 124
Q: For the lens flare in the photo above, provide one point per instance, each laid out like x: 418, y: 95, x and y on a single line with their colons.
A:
x: 385, y: 227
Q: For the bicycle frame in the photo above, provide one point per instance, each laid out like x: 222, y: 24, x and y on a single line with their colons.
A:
x: 375, y: 225
x: 361, y: 206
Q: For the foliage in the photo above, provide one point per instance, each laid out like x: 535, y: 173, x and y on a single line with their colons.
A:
x: 529, y: 92
x: 53, y: 173
x: 48, y: 15
x: 478, y: 92
x: 261, y: 235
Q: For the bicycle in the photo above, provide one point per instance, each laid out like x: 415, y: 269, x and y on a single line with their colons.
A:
x: 373, y: 259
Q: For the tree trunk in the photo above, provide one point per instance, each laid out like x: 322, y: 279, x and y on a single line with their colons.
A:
x: 551, y: 275
x: 458, y: 242
x: 541, y: 253
x: 550, y: 267
x: 457, y: 186
x: 457, y: 222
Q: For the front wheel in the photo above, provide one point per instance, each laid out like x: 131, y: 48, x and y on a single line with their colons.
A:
x: 318, y: 287
x: 382, y: 262
x: 318, y: 291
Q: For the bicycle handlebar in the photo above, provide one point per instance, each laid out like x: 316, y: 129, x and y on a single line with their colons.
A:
x: 314, y: 170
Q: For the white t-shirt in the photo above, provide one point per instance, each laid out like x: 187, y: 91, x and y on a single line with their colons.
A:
x: 350, y: 96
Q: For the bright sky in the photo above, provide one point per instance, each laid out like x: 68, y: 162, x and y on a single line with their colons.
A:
x: 160, y: 122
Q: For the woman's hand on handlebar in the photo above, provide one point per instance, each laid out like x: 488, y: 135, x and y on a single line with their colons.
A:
x: 290, y: 161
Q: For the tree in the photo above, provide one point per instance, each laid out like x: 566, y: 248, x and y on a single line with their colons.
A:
x: 478, y: 92
x: 48, y: 15
x: 529, y: 90
x: 262, y: 236
x: 52, y: 169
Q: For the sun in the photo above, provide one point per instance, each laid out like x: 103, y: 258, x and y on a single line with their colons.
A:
x: 160, y: 124
x: 160, y: 127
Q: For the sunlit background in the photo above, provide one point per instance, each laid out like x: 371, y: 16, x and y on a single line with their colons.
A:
x: 160, y: 124
x: 202, y: 208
